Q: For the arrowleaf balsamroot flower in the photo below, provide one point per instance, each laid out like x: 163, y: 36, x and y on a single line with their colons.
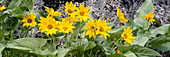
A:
x: 121, y: 16
x: 53, y: 13
x: 65, y: 26
x: 127, y: 35
x: 69, y: 8
x: 83, y: 12
x: 29, y: 20
x: 118, y: 51
x: 149, y: 17
x: 48, y: 25
x: 91, y: 26
x: 102, y: 28
x: 2, y: 8
x: 108, y: 19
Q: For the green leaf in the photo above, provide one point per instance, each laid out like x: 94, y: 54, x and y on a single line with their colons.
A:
x: 130, y: 54
x: 164, y: 47
x: 81, y: 44
x: 2, y: 47
x: 143, y: 51
x: 7, y: 26
x: 62, y: 52
x: 115, y: 33
x: 83, y: 34
x: 3, y: 17
x: 73, y: 37
x: 44, y: 52
x: 101, y: 41
x: 20, y: 3
x: 168, y: 30
x: 12, y: 4
x: 161, y: 30
x: 116, y: 55
x: 16, y: 12
x: 147, y: 7
x: 27, y: 43
x: 158, y: 41
x: 141, y: 38
x: 37, y: 13
x: 7, y: 11
x: 131, y: 24
x: 91, y: 45
x: 122, y: 48
x: 58, y: 39
x: 102, y: 44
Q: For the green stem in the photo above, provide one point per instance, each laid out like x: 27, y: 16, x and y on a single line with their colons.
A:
x: 113, y: 22
x: 80, y: 29
x: 54, y: 43
x: 50, y: 41
x: 25, y: 32
x: 12, y: 35
x: 66, y: 41
x: 96, y: 53
x: 111, y: 50
x: 17, y: 25
x: 90, y: 53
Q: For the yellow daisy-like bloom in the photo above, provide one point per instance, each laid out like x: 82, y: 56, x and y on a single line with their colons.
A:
x: 53, y: 13
x: 65, y: 26
x: 121, y: 16
x: 149, y: 17
x: 83, y: 12
x: 91, y: 26
x: 48, y: 25
x: 102, y: 28
x: 118, y: 51
x: 127, y: 35
x: 2, y: 8
x: 69, y: 8
x: 71, y: 18
x: 108, y: 19
x: 29, y: 20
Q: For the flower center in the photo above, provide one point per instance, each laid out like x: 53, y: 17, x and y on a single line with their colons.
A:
x: 69, y: 11
x: 29, y: 20
x: 50, y: 27
x: 65, y: 28
x: 81, y: 13
x: 92, y: 27
x: 149, y: 18
x: 125, y: 35
x: 101, y: 29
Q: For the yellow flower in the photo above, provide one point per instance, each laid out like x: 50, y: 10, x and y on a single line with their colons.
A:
x: 102, y: 28
x: 65, y: 26
x: 149, y: 17
x: 48, y: 25
x: 108, y: 19
x: 53, y: 13
x: 91, y: 26
x: 127, y: 35
x: 69, y: 8
x: 83, y: 12
x: 121, y: 16
x: 71, y: 18
x: 2, y: 8
x: 29, y: 20
x: 118, y: 51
